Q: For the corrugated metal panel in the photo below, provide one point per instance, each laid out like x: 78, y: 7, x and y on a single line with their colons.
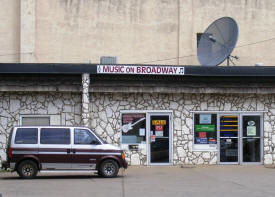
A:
x: 35, y: 121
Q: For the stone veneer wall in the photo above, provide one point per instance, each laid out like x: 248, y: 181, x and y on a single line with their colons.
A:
x: 64, y: 108
x: 106, y: 111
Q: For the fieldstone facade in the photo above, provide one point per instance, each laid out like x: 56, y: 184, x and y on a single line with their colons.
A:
x: 106, y: 120
x: 76, y: 104
x: 85, y: 99
x: 62, y: 108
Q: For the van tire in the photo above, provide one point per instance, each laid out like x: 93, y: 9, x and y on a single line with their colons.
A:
x: 27, y: 169
x: 108, y: 168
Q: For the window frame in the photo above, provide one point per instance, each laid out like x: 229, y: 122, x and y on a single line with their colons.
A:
x: 34, y: 116
x: 37, y: 136
x: 91, y: 134
x: 40, y: 136
x: 204, y: 147
x: 121, y: 124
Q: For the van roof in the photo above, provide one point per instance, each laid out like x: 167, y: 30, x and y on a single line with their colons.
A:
x: 51, y: 126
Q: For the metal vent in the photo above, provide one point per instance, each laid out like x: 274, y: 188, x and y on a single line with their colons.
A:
x: 108, y: 60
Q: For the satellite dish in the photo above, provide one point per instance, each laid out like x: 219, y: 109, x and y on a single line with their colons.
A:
x: 218, y: 41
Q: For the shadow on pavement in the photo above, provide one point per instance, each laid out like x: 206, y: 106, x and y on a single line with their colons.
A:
x: 58, y: 177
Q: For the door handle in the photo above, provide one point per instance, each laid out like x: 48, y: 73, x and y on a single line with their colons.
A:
x: 68, y: 151
x: 73, y: 150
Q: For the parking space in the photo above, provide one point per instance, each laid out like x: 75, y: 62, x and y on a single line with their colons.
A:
x: 149, y: 181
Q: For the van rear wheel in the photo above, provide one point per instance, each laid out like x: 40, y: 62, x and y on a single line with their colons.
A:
x: 27, y: 169
x: 108, y: 168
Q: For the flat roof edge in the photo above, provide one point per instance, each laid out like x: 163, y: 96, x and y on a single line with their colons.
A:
x: 75, y: 68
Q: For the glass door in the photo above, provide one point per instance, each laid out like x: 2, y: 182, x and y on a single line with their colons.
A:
x: 229, y: 139
x: 251, y: 138
x: 159, y: 149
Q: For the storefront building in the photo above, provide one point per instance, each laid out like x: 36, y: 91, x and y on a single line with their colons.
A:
x: 160, y: 115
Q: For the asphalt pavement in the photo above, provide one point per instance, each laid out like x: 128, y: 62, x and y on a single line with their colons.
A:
x: 151, y: 181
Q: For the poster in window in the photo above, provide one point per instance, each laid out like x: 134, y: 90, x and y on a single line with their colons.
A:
x: 133, y: 128
x: 205, y: 118
x: 141, y: 132
x: 202, y: 134
x: 212, y: 140
x: 201, y: 140
x: 159, y: 130
x: 251, y: 130
x: 153, y: 138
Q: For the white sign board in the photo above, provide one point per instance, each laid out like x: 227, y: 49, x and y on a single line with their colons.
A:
x: 140, y: 70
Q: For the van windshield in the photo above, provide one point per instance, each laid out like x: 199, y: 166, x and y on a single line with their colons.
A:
x: 100, y: 138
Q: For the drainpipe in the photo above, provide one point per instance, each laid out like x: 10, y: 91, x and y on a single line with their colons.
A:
x: 85, y: 99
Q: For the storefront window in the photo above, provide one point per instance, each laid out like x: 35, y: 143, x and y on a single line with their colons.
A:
x: 205, y: 130
x: 133, y: 128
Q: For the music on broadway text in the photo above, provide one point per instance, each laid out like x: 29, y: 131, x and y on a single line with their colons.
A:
x: 125, y: 69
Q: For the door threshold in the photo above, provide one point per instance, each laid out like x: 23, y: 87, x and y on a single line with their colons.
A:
x: 160, y: 164
x: 229, y: 164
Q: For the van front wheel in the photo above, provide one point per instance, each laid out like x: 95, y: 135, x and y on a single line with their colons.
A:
x: 108, y: 168
x: 27, y: 169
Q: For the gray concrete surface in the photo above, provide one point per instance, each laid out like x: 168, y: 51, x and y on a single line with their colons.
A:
x: 154, y: 181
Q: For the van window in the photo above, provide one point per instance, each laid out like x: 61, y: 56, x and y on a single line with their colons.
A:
x: 55, y: 136
x: 26, y: 136
x: 83, y: 136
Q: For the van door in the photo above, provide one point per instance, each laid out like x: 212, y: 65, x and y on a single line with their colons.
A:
x: 55, y: 148
x: 84, y: 149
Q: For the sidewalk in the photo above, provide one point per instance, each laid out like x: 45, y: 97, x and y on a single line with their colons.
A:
x: 152, y: 181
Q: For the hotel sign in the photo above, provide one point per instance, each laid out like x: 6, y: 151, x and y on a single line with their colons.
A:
x: 140, y: 70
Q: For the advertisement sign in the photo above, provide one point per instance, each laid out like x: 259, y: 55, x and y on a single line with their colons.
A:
x: 141, y: 132
x: 133, y: 128
x: 153, y: 138
x: 205, y: 128
x: 202, y: 134
x: 205, y: 118
x: 131, y: 120
x: 228, y: 134
x: 140, y: 69
x: 201, y: 140
x: 158, y: 122
x: 251, y: 130
x: 212, y: 141
x: 159, y: 133
x: 159, y: 130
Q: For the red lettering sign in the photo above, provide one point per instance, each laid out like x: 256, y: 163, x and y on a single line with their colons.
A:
x: 202, y: 134
x: 158, y: 128
x: 138, y: 69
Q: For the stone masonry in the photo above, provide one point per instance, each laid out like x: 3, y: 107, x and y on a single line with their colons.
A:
x: 106, y: 116
x: 63, y: 109
x: 85, y: 99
